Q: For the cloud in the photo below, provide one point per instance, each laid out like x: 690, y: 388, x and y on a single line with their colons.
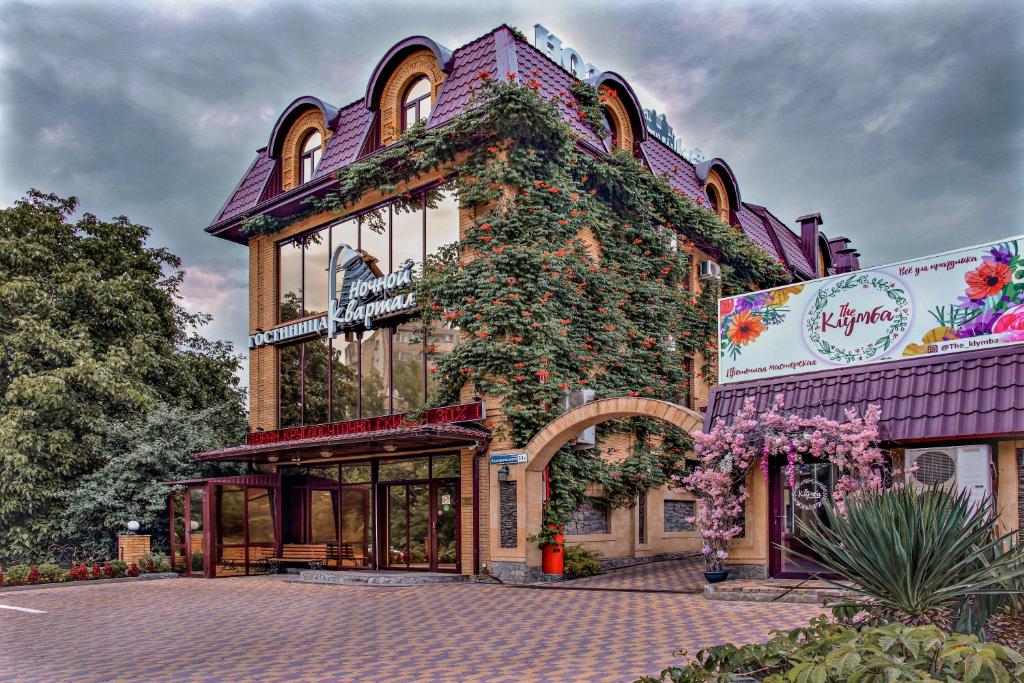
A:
x: 902, y: 123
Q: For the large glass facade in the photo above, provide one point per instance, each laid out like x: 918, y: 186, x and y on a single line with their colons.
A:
x: 379, y: 371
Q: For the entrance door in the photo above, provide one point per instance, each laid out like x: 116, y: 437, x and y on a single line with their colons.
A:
x: 802, y: 499
x: 421, y: 526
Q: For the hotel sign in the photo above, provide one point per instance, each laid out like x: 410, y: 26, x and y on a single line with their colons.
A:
x: 464, y: 412
x: 362, y: 298
x: 957, y: 301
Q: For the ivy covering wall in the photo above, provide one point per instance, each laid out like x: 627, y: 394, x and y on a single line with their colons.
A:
x: 541, y: 308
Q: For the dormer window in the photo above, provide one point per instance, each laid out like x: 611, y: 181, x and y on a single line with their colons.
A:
x: 416, y: 103
x: 310, y: 158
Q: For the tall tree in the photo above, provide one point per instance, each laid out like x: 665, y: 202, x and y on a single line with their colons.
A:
x: 93, y: 336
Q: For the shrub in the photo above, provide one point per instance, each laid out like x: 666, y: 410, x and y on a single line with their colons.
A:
x: 827, y: 651
x: 17, y: 574
x: 51, y: 573
x: 154, y: 562
x: 917, y: 557
x: 118, y: 568
x: 581, y: 562
x: 133, y: 570
x: 33, y: 575
x: 78, y: 572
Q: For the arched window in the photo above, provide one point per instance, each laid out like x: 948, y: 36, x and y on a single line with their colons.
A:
x: 714, y: 199
x: 311, y: 153
x: 416, y: 103
x: 610, y: 120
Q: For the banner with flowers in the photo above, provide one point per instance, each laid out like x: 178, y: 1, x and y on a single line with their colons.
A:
x: 957, y: 301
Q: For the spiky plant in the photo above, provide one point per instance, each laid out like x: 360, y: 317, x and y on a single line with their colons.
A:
x: 918, y: 557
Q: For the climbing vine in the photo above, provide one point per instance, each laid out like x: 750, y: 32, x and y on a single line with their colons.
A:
x: 573, y: 275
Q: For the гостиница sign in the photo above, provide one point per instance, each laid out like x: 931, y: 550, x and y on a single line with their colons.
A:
x: 362, y: 298
x: 958, y: 301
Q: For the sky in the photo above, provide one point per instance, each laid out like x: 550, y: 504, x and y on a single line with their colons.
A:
x: 901, y: 122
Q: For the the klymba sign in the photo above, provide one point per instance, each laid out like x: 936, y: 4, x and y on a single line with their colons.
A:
x: 956, y: 301
x: 362, y: 298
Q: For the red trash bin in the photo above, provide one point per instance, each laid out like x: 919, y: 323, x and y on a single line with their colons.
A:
x: 552, y: 556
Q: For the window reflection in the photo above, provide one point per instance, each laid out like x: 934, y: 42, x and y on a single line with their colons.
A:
x: 380, y: 370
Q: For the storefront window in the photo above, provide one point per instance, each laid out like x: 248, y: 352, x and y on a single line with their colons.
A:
x: 261, y: 519
x: 230, y: 515
x: 403, y: 469
x: 323, y: 521
x: 379, y: 371
x: 445, y: 466
x: 355, y: 474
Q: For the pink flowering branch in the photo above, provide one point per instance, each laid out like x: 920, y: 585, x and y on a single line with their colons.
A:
x: 728, y: 452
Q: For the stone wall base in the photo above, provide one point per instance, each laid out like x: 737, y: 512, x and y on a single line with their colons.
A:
x: 747, y: 571
x: 516, y: 572
x: 619, y: 562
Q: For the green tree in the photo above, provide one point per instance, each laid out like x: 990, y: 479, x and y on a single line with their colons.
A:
x: 138, y: 455
x: 92, y: 336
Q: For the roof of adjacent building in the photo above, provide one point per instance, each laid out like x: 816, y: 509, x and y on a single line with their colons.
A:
x: 928, y: 398
x: 499, y: 52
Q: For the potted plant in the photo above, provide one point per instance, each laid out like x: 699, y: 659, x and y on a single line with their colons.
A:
x: 551, y: 541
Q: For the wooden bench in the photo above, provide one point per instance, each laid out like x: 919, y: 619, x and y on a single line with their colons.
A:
x: 233, y: 557
x: 315, y: 555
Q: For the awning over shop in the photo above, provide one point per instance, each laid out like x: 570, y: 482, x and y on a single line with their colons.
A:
x: 384, y: 441
x: 974, y: 393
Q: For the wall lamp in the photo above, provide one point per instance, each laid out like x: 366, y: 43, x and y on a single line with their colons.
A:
x: 503, y: 472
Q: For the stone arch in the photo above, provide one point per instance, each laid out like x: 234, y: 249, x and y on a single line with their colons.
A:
x: 559, y: 431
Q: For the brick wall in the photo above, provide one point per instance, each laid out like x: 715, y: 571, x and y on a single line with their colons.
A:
x: 419, y: 63
x: 617, y: 112
x: 307, y: 122
x: 132, y: 548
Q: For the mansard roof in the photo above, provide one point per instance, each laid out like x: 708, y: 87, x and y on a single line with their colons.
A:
x: 498, y: 52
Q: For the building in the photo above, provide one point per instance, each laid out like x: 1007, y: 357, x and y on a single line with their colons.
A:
x: 340, y: 473
x: 949, y: 382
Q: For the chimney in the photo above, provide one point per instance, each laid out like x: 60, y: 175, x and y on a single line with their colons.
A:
x: 810, y: 227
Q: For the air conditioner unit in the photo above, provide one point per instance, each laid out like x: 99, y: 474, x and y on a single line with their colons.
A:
x: 710, y: 269
x: 576, y: 399
x: 965, y: 468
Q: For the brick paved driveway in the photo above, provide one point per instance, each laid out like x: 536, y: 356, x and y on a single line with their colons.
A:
x: 685, y: 575
x: 267, y: 629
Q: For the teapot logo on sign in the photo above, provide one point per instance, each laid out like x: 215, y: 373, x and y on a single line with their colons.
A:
x: 858, y: 318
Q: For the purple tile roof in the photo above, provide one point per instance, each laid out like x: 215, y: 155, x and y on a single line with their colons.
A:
x: 343, y: 146
x: 755, y: 229
x: 972, y: 393
x: 478, y: 55
x: 499, y: 52
x: 663, y: 161
x: 247, y: 193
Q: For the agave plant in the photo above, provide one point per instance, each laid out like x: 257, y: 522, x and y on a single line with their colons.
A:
x: 920, y: 556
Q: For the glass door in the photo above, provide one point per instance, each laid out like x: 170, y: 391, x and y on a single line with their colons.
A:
x: 445, y: 501
x: 408, y: 527
x: 793, y: 499
x: 355, y: 527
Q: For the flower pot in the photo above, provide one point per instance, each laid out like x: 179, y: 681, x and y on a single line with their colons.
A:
x: 715, y: 577
x: 552, y: 556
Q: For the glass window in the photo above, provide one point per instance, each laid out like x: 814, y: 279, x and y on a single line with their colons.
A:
x: 442, y: 219
x: 416, y: 103
x: 373, y: 237
x: 355, y: 474
x: 261, y: 518
x: 445, y: 467
x: 310, y: 157
x: 290, y: 280
x: 344, y: 379
x: 314, y: 280
x: 314, y: 374
x: 397, y: 470
x: 347, y: 233
x: 230, y: 514
x: 323, y: 516
x: 374, y: 350
x: 327, y: 473
x: 290, y: 390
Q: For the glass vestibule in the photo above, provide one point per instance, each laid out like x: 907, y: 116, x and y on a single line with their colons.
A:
x: 329, y: 506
